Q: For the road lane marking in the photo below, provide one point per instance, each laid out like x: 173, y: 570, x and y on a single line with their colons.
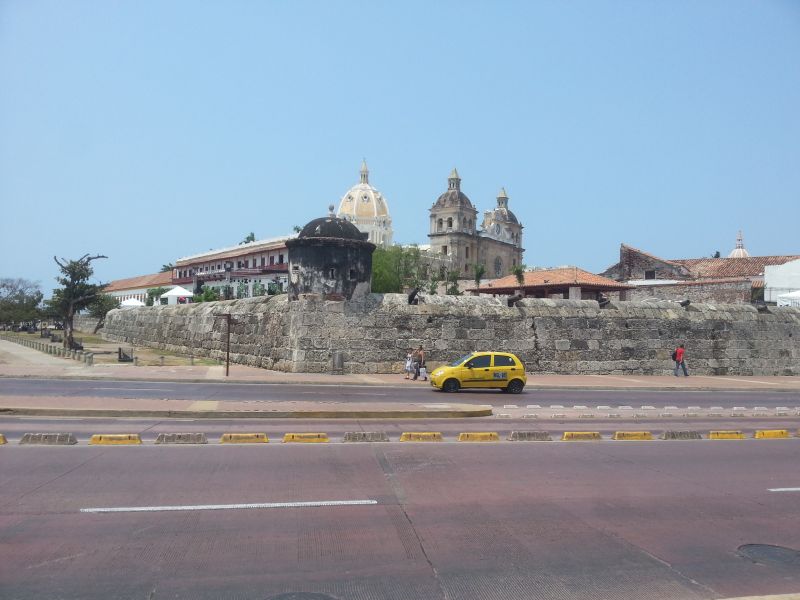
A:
x: 121, y: 389
x: 797, y: 489
x: 204, y: 405
x: 736, y: 380
x: 317, y: 503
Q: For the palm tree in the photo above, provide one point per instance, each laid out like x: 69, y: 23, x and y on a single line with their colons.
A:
x: 479, y: 271
x: 519, y: 273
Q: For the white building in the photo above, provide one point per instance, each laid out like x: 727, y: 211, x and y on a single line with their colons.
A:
x: 781, y: 279
x: 366, y: 208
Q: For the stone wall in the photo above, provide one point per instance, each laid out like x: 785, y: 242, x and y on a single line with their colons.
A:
x: 550, y: 336
x: 722, y: 292
x: 84, y: 323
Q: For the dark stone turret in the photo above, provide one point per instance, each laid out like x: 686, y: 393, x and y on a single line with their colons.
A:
x: 332, y: 258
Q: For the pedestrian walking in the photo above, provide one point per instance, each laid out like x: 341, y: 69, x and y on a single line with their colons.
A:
x: 679, y: 356
x: 417, y: 360
x: 409, y: 366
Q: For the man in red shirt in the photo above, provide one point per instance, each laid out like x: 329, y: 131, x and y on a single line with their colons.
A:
x: 680, y: 352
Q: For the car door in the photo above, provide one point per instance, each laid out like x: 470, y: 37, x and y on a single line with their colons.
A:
x: 503, y: 369
x: 477, y: 371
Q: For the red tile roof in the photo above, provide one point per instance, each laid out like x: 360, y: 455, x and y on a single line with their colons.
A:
x: 752, y: 266
x: 547, y: 278
x: 141, y: 282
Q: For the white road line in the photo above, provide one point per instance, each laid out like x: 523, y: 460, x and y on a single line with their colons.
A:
x: 797, y: 489
x: 736, y: 380
x: 119, y: 389
x: 230, y: 506
x: 619, y: 378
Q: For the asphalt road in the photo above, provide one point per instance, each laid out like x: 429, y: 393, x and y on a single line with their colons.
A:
x: 661, y: 520
x: 258, y: 392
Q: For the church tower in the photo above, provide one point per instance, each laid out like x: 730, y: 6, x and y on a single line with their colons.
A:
x: 452, y: 228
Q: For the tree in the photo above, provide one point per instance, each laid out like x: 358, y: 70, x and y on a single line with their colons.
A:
x: 76, y: 293
x: 716, y: 254
x: 154, y: 295
x: 20, y: 301
x: 396, y: 268
x: 519, y: 273
x: 207, y: 294
x: 479, y: 271
x: 452, y: 283
x: 251, y: 237
x: 166, y: 268
x: 100, y: 308
x: 297, y: 229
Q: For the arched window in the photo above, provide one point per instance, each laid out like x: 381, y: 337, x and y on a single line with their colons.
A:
x: 439, y: 225
x: 449, y: 222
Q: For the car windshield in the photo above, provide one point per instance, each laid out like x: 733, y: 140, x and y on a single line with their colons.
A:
x: 455, y: 363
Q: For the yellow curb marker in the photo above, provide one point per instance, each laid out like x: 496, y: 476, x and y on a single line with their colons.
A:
x: 632, y: 435
x: 244, y: 438
x: 579, y: 436
x: 3, y: 439
x: 202, y: 405
x: 306, y: 438
x: 117, y: 439
x: 479, y: 436
x: 771, y: 434
x: 725, y: 435
x: 421, y: 436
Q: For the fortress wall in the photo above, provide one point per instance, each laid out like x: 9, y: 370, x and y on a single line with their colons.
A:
x: 550, y: 336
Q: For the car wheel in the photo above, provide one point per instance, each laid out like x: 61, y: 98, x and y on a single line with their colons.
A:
x: 515, y: 386
x: 451, y: 385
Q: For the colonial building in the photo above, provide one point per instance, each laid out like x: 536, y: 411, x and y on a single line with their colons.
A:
x: 367, y: 209
x: 564, y: 282
x: 251, y: 269
x: 136, y: 287
x: 739, y: 278
x: 454, y: 232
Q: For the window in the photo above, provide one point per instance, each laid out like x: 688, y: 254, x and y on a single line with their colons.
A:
x: 247, y: 264
x: 272, y: 260
x: 444, y: 250
x: 479, y: 362
x: 439, y: 225
x: 352, y: 273
x: 263, y: 261
x: 449, y: 222
x: 331, y: 273
x: 466, y: 252
x: 280, y: 259
x: 650, y: 274
x: 501, y: 360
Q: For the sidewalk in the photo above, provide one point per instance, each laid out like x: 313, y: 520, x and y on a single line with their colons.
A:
x: 22, y: 362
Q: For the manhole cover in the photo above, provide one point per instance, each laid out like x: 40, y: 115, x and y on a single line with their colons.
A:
x: 767, y: 554
x: 301, y: 596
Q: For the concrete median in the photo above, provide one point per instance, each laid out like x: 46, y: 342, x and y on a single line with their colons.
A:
x: 306, y: 438
x: 181, y: 438
x: 725, y: 435
x: 48, y: 439
x: 365, y: 436
x: 421, y: 436
x: 116, y: 439
x: 479, y: 436
x: 581, y: 436
x: 771, y: 434
x: 530, y: 436
x: 244, y: 438
x: 632, y: 436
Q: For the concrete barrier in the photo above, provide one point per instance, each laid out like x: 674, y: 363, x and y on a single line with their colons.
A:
x: 306, y: 438
x: 725, y: 435
x: 632, y: 436
x: 244, y: 438
x: 115, y: 439
x: 478, y: 436
x: 365, y: 436
x: 421, y: 436
x: 530, y: 436
x: 49, y: 439
x: 581, y: 436
x: 771, y: 434
x: 681, y: 435
x: 181, y: 438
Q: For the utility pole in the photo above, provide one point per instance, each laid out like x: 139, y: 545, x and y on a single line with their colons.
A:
x: 228, y: 321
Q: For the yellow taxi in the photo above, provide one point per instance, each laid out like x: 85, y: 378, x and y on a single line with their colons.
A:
x: 501, y: 370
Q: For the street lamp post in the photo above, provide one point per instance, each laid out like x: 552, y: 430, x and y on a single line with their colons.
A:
x: 228, y: 321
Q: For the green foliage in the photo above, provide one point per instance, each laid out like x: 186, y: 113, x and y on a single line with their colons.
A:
x: 452, y: 283
x: 258, y: 289
x: 479, y: 271
x: 251, y: 237
x: 75, y: 293
x: 273, y: 288
x: 100, y: 308
x: 154, y: 295
x: 241, y: 290
x: 166, y: 268
x: 297, y: 229
x: 519, y: 273
x: 20, y: 301
x: 207, y: 294
x: 716, y: 254
x: 396, y: 268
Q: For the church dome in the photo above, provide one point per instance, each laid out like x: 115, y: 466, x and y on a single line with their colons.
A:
x: 453, y: 197
x: 502, y: 214
x: 740, y: 251
x: 363, y: 201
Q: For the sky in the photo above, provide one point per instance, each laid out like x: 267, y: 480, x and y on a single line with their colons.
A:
x: 150, y: 130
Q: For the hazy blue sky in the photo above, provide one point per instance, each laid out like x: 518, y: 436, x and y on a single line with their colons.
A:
x: 150, y: 130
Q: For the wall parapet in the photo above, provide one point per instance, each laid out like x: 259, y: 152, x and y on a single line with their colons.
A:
x: 550, y: 336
